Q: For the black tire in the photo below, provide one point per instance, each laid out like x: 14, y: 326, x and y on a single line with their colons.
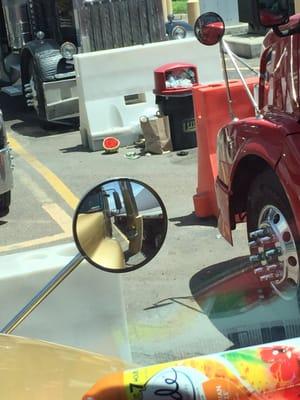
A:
x: 266, y: 189
x: 39, y: 98
x: 5, y: 199
x: 266, y: 192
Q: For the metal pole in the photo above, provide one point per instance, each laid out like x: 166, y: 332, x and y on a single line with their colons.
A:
x: 42, y: 294
x: 229, y: 98
x: 229, y: 52
x: 245, y: 64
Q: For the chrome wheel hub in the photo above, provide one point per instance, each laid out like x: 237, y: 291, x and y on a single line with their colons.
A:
x: 274, y: 253
x: 31, y: 94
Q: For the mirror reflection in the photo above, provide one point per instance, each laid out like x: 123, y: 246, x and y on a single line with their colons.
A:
x: 273, y: 12
x: 241, y: 306
x: 209, y: 28
x: 120, y: 225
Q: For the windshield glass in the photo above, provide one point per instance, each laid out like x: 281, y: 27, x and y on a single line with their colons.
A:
x: 227, y: 274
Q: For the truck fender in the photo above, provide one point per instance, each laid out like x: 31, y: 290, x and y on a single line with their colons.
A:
x: 46, y: 53
x: 263, y: 147
x: 288, y: 171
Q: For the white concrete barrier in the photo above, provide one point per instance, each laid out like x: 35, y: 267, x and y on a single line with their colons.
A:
x: 85, y: 311
x: 115, y: 87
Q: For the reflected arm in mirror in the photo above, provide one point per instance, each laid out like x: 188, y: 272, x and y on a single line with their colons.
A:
x: 94, y: 240
x: 134, y: 222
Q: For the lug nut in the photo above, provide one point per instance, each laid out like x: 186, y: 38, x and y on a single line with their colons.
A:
x: 265, y: 240
x: 271, y: 253
x: 272, y: 268
x: 258, y: 271
x: 258, y: 234
x: 268, y: 277
x: 254, y: 259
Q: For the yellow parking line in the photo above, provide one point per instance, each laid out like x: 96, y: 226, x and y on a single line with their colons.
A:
x: 55, y: 212
x: 59, y: 216
x: 45, y: 172
x: 35, y: 242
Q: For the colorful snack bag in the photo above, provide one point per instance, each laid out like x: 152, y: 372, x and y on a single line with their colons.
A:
x: 266, y: 372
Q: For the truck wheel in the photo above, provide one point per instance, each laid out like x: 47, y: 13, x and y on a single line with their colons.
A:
x: 273, y: 236
x: 34, y: 94
x: 4, y: 204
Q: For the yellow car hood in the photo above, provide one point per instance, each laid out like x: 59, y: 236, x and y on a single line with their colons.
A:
x: 34, y: 370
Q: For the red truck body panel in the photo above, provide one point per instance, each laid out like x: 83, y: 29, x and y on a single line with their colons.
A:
x: 264, y: 138
x: 275, y: 139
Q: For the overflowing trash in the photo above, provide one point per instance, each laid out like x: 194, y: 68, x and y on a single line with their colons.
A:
x: 184, y: 78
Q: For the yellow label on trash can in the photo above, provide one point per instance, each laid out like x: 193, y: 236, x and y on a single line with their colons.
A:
x: 189, y: 125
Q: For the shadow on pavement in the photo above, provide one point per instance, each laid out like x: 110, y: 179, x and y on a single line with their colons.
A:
x: 31, y: 128
x: 192, y: 219
x: 15, y: 109
x: 75, y: 149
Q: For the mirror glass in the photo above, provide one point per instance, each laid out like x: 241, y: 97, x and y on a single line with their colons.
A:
x: 273, y: 12
x: 209, y: 28
x: 120, y: 225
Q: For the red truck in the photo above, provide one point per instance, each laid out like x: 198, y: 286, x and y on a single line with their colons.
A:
x: 258, y: 157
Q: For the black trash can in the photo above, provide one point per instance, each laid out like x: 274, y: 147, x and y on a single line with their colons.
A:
x: 173, y: 89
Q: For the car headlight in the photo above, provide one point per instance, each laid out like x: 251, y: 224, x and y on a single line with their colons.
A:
x: 178, y: 32
x: 68, y: 50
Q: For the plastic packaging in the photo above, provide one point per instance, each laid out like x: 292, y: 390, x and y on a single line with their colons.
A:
x: 266, y: 372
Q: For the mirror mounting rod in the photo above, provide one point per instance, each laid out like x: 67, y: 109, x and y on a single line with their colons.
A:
x: 42, y: 294
x: 245, y: 64
x: 226, y: 78
x: 225, y: 46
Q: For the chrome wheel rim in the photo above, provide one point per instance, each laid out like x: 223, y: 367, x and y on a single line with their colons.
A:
x: 34, y: 100
x: 31, y: 92
x: 274, y: 252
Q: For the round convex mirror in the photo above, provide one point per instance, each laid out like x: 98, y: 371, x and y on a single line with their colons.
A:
x: 120, y: 225
x: 209, y: 28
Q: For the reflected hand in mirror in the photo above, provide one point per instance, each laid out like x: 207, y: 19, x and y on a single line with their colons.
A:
x: 120, y: 225
x: 209, y: 28
x: 273, y: 12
